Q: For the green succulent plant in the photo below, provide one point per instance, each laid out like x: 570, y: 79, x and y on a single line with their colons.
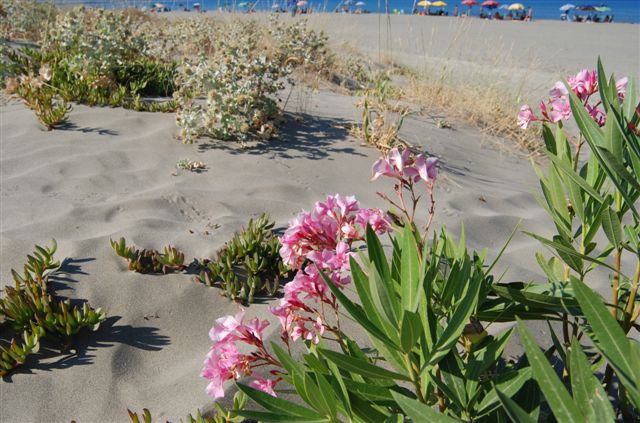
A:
x: 222, y: 415
x: 150, y: 261
x: 16, y: 353
x: 249, y: 264
x: 30, y: 308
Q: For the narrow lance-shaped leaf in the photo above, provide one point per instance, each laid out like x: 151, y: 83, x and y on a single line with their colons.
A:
x: 560, y: 402
x: 608, y: 337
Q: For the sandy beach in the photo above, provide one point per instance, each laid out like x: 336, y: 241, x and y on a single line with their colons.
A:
x: 112, y: 172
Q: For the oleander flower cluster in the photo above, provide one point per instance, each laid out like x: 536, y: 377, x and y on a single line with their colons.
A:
x: 403, y: 166
x: 558, y: 109
x: 318, y: 241
x: 321, y: 240
x: 225, y: 362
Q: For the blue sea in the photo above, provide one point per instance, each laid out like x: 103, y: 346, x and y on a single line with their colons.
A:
x: 623, y: 10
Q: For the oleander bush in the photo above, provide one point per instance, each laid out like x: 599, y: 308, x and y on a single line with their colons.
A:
x: 249, y: 264
x: 32, y: 311
x: 426, y: 303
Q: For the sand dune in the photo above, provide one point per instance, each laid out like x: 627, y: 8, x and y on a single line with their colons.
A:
x: 109, y: 174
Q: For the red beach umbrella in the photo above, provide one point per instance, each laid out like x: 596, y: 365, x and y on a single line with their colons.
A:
x: 469, y: 3
x: 490, y: 4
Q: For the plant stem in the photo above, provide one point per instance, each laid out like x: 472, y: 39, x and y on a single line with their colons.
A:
x: 441, y: 404
x: 631, y: 301
x: 415, y: 379
x: 616, y: 284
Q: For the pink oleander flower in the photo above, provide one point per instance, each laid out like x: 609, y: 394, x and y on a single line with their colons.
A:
x: 224, y: 363
x: 584, y: 83
x: 558, y: 108
x: 526, y: 116
x: 401, y: 166
x: 337, y: 219
x: 224, y: 327
x: 621, y: 87
x: 597, y: 114
x: 233, y: 328
x: 427, y: 168
x: 264, y: 385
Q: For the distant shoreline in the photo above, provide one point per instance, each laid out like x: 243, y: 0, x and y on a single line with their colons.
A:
x: 211, y: 12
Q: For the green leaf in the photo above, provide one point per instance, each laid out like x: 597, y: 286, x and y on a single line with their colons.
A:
x: 575, y: 177
x: 262, y: 416
x: 587, y: 390
x: 343, y: 392
x: 420, y: 412
x: 618, y: 169
x: 516, y: 414
x: 384, y: 296
x: 560, y: 402
x: 369, y: 391
x: 376, y: 254
x: 361, y: 282
x: 612, y: 228
x: 525, y: 297
x: 456, y: 323
x: 356, y: 312
x: 509, y: 383
x: 410, y: 330
x: 608, y: 337
x: 409, y: 271
x: 361, y: 367
x: 278, y: 405
x: 567, y: 250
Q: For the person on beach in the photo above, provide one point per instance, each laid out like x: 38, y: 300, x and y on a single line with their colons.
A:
x: 529, y: 14
x: 455, y: 11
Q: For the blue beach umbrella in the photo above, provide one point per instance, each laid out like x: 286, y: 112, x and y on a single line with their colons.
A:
x: 567, y: 7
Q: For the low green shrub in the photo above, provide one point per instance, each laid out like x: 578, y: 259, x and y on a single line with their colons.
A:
x: 149, y: 261
x: 249, y: 264
x: 34, y: 314
x: 221, y: 415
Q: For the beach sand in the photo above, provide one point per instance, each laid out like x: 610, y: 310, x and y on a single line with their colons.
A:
x: 109, y: 174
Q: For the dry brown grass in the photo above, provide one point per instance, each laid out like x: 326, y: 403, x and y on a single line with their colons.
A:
x: 491, y: 109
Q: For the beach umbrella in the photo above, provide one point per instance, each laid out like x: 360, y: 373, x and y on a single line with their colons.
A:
x: 302, y: 3
x: 275, y: 6
x: 603, y: 8
x: 586, y: 8
x: 469, y: 2
x: 567, y: 7
x: 424, y: 3
x: 244, y: 4
x: 516, y: 6
x: 360, y: 3
x: 438, y: 3
x: 490, y: 4
x: 504, y: 7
